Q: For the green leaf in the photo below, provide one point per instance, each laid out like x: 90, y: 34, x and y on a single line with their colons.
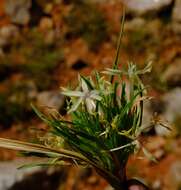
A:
x: 30, y: 147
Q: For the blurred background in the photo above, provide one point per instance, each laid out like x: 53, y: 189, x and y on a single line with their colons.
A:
x: 44, y: 44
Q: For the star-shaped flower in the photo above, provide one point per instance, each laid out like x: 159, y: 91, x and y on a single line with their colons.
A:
x: 85, y: 95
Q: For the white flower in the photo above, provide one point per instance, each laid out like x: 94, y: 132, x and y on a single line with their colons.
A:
x: 132, y: 70
x: 86, y: 95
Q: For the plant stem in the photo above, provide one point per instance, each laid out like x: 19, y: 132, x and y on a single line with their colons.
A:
x: 116, y: 61
x: 120, y: 175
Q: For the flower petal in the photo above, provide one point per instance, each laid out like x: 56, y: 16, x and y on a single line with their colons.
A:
x: 75, y: 105
x: 84, y: 85
x: 94, y: 94
x: 72, y: 93
x: 91, y: 106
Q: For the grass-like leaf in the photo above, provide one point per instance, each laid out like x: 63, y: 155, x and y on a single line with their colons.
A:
x: 30, y: 147
x: 104, y: 122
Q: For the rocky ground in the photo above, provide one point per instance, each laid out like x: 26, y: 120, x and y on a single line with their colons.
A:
x: 45, y: 44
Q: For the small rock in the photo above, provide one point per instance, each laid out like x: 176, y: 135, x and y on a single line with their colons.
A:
x: 50, y: 37
x: 175, y: 173
x: 25, y: 90
x: 41, y: 179
x: 7, y: 33
x: 135, y: 187
x: 176, y: 26
x: 157, y: 184
x: 109, y: 188
x: 11, y: 175
x: 46, y: 27
x: 140, y: 7
x: 168, y: 107
x: 46, y: 23
x: 105, y: 1
x: 51, y: 99
x: 173, y: 104
x: 176, y: 15
x: 135, y: 23
x: 18, y: 11
x: 31, y: 89
x: 172, y: 75
x: 93, y: 180
x: 172, y: 101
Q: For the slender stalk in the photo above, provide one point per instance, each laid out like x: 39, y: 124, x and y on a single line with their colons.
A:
x: 116, y: 61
